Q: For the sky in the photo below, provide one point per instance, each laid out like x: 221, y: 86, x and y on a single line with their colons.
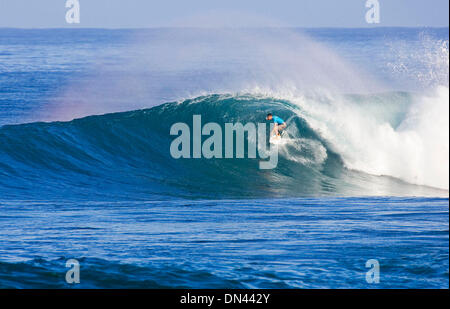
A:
x: 219, y: 13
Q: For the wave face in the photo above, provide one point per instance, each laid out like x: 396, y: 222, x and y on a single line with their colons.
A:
x: 127, y: 155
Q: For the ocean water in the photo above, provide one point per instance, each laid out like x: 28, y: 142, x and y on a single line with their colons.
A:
x: 86, y: 171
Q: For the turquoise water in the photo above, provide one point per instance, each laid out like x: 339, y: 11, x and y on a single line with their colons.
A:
x: 86, y: 172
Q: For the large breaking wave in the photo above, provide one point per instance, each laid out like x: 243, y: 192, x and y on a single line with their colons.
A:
x: 349, y: 133
x: 346, y: 145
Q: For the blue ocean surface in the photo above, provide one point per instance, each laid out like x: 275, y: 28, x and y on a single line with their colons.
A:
x: 275, y: 243
x: 86, y: 170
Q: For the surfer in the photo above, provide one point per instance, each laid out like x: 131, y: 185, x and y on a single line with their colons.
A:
x: 279, y: 124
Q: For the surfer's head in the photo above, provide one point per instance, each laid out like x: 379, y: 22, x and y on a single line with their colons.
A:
x: 269, y: 116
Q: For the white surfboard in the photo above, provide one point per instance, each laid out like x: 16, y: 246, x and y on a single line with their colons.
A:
x: 275, y: 139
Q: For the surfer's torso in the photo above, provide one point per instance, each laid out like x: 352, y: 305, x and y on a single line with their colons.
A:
x: 277, y: 120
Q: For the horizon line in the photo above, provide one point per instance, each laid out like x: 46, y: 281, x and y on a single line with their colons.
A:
x: 218, y: 27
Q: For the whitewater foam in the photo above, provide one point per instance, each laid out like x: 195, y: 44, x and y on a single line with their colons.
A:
x: 415, y: 150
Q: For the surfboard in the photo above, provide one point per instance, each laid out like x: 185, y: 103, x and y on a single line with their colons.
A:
x: 275, y: 139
